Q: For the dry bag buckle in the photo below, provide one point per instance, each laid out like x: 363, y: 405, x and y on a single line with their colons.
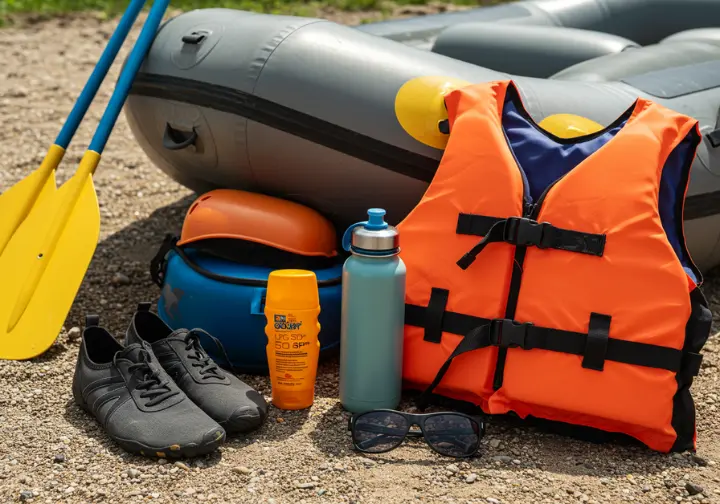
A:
x: 524, y: 231
x: 507, y: 333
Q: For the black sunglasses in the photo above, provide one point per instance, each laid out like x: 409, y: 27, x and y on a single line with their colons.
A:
x: 448, y: 433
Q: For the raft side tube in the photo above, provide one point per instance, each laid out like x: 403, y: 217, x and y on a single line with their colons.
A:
x: 613, y: 67
x: 708, y: 35
x: 534, y: 51
x: 644, y: 21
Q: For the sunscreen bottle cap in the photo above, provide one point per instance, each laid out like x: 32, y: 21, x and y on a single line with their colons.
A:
x: 292, y: 289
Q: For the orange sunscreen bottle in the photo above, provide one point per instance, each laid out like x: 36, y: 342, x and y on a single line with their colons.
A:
x: 292, y: 306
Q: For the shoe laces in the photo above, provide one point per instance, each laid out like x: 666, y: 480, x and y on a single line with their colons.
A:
x: 153, y: 386
x: 208, y: 367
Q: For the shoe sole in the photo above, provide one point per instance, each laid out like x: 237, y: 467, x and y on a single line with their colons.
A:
x: 211, y: 441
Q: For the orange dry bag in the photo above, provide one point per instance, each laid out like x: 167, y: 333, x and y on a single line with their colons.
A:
x: 549, y: 276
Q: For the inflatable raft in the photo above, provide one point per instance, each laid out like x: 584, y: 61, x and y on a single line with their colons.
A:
x: 345, y: 118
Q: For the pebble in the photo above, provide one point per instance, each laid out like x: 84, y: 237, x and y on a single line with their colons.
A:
x: 693, y: 489
x: 133, y: 473
x: 59, y: 458
x: 74, y: 333
x: 494, y: 443
x: 471, y: 478
x: 453, y: 468
x: 305, y: 486
x: 182, y: 465
x: 699, y: 460
x: 162, y: 461
x: 502, y: 458
x: 646, y: 488
x: 26, y: 495
x: 120, y: 279
x: 491, y: 500
x: 190, y: 491
x: 241, y: 470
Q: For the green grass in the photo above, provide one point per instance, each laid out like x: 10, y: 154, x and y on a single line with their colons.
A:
x: 49, y: 8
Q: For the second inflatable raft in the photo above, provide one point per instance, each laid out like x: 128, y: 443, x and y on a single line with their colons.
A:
x: 342, y: 120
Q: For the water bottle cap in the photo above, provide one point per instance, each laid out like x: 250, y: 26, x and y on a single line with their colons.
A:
x: 373, y: 237
x: 292, y: 289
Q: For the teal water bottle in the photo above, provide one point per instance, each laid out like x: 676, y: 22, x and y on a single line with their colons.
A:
x: 373, y: 316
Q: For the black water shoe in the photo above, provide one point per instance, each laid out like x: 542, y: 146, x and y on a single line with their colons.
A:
x: 136, y: 402
x: 236, y: 406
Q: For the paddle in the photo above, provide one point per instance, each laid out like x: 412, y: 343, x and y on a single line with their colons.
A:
x: 16, y: 202
x: 46, y: 259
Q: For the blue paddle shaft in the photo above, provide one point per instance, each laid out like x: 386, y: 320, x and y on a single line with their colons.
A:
x: 98, y: 74
x: 127, y: 76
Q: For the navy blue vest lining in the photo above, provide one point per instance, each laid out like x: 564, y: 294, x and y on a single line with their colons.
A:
x: 543, y: 159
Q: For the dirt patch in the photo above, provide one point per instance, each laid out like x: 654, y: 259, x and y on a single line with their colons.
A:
x: 52, y: 452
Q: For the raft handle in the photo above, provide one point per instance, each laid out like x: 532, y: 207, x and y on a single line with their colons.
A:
x: 195, y: 37
x: 174, y: 139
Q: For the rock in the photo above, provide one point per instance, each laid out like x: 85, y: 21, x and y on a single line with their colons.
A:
x: 155, y: 495
x: 453, y: 468
x: 305, y: 486
x: 502, y: 458
x: 693, y: 489
x: 492, y: 500
x: 120, y: 279
x: 133, y: 473
x: 646, y: 488
x: 26, y: 495
x: 59, y: 458
x: 182, y: 465
x: 669, y: 484
x: 699, y: 460
x: 69, y: 490
x: 74, y: 333
x: 321, y: 492
x: 190, y: 491
x: 604, y: 481
x: 494, y: 443
x: 162, y: 461
x: 471, y: 478
x: 516, y: 461
x: 241, y: 470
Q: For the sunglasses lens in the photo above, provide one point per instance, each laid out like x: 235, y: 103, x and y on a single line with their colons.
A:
x: 453, y: 435
x: 379, y: 431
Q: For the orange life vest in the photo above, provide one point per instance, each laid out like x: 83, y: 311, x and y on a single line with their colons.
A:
x: 549, y: 277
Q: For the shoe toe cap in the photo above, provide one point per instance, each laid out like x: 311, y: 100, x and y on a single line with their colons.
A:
x: 244, y: 418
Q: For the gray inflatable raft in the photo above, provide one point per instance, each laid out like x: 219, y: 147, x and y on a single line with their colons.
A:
x: 305, y: 109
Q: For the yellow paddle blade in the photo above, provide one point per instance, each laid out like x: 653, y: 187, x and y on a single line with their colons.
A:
x: 17, y: 201
x: 65, y: 227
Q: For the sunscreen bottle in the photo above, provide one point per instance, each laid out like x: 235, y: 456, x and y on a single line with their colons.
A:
x: 292, y: 306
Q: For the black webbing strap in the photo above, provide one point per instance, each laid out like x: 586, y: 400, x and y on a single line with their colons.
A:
x: 597, y: 342
x: 524, y: 231
x: 434, y: 314
x: 595, y: 349
x: 92, y: 320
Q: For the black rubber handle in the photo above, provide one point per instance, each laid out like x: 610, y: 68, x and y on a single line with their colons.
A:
x: 714, y: 138
x: 176, y: 140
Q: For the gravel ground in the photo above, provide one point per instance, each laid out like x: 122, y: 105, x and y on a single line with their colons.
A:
x: 52, y: 452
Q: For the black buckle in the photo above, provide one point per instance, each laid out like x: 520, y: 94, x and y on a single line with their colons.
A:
x: 507, y: 333
x: 524, y: 231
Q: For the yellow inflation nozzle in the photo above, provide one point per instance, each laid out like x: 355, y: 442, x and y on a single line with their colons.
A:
x: 569, y: 125
x: 420, y: 107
